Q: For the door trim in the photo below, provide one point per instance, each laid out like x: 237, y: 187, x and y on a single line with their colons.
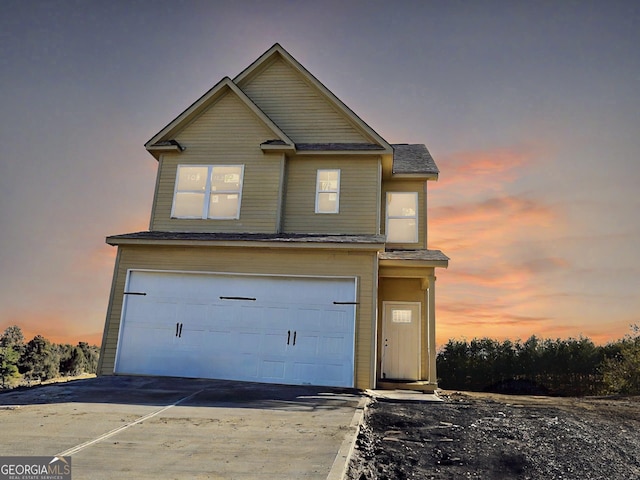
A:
x: 384, y: 327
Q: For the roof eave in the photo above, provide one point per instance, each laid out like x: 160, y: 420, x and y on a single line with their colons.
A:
x: 267, y: 148
x: 157, y: 150
x: 415, y: 176
x: 372, y: 246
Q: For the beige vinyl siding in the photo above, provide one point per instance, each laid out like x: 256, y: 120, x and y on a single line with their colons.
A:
x: 406, y: 186
x: 359, y: 193
x: 285, y: 261
x: 226, y: 134
x: 298, y: 107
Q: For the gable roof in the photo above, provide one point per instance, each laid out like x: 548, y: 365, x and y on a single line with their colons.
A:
x: 277, y: 51
x: 413, y: 160
x: 159, y: 141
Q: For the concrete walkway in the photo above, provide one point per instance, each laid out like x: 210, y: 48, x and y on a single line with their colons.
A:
x: 175, y: 428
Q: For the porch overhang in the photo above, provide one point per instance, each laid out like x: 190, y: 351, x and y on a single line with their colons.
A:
x: 397, y: 260
x: 411, y: 264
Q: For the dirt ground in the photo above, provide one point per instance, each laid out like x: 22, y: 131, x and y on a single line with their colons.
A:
x: 489, y: 436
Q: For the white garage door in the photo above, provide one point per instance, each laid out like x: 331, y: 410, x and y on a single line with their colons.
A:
x: 293, y: 330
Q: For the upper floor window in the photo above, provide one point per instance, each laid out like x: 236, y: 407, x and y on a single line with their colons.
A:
x: 402, y: 217
x: 328, y: 191
x: 208, y: 191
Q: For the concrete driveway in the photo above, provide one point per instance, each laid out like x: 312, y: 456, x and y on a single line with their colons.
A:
x: 152, y: 427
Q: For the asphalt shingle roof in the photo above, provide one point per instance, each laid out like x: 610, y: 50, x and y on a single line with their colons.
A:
x: 256, y: 237
x: 424, y: 255
x: 338, y: 146
x: 413, y: 159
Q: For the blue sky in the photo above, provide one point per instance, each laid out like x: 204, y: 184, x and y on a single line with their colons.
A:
x: 531, y: 110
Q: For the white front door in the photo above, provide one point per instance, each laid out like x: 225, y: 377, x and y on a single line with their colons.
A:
x: 295, y: 330
x: 401, y: 341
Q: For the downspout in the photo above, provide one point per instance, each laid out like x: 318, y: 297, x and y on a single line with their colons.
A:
x: 426, y: 223
x: 374, y: 342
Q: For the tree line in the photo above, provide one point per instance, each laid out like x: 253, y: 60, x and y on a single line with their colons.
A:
x: 38, y: 359
x: 542, y: 366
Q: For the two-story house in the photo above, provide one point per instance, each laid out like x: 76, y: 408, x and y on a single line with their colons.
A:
x: 287, y: 244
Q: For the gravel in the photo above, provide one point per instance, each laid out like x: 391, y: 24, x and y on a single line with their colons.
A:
x: 489, y: 436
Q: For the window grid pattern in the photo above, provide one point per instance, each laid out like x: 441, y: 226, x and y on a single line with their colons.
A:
x: 402, y: 217
x: 208, y: 191
x: 328, y: 191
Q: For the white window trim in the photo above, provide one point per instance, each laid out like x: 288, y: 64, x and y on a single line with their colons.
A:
x: 415, y: 217
x: 318, y: 191
x: 207, y: 193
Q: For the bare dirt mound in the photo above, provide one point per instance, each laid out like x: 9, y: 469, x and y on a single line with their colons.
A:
x: 491, y: 436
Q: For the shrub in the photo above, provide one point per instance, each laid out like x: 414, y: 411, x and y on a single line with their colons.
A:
x: 621, y: 371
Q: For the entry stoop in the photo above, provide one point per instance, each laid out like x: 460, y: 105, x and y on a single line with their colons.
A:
x: 418, y: 386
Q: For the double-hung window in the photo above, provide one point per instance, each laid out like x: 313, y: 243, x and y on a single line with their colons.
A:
x: 208, y: 191
x: 402, y: 217
x: 328, y: 191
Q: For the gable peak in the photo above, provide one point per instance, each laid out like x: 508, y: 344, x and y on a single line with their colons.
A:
x: 278, y: 52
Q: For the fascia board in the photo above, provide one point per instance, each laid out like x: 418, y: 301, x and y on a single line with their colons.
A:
x: 414, y: 176
x: 409, y: 264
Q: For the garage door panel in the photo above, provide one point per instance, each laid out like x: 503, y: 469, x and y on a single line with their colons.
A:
x: 249, y: 343
x: 273, y: 370
x: 308, y: 318
x: 332, y: 346
x: 135, y: 349
x: 220, y: 342
x: 194, y: 313
x: 339, y: 320
x: 221, y: 317
x: 291, y: 333
x: 274, y: 343
x: 246, y: 367
x: 248, y: 316
x: 306, y: 344
x: 275, y: 319
x: 303, y: 371
x: 191, y: 338
x: 333, y: 374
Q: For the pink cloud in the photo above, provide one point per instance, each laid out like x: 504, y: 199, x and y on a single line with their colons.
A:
x: 494, y: 210
x: 499, y: 162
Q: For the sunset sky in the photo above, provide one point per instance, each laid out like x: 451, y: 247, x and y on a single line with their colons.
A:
x: 531, y: 110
